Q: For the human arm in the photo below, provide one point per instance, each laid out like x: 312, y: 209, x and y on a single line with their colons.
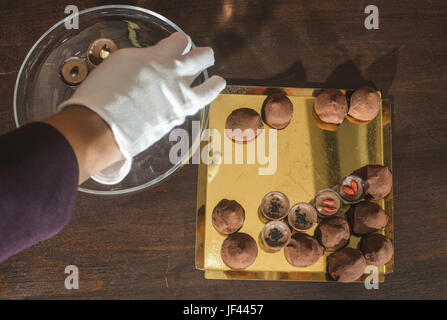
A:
x: 43, y: 163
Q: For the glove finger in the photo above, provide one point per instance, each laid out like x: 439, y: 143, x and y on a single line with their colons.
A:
x: 209, y: 90
x: 197, y: 60
x: 190, y: 79
x: 175, y: 45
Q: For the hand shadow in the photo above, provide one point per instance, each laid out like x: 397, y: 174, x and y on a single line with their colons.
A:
x: 380, y: 74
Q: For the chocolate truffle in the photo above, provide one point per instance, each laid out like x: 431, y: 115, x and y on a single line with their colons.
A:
x: 275, y: 205
x: 277, y: 110
x: 100, y: 49
x: 364, y: 104
x: 346, y: 265
x: 378, y: 180
x: 377, y: 249
x: 327, y: 202
x: 366, y: 217
x: 74, y: 71
x: 239, y: 251
x: 303, y: 250
x: 275, y: 235
x: 302, y: 216
x: 228, y: 216
x: 333, y: 233
x: 351, y: 189
x: 331, y: 106
x: 243, y: 125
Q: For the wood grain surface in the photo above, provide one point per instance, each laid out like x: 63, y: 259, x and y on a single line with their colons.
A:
x: 141, y: 246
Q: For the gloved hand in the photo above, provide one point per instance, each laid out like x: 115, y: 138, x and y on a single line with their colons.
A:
x: 143, y: 93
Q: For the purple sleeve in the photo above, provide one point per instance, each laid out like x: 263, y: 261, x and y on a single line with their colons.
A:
x: 38, y: 186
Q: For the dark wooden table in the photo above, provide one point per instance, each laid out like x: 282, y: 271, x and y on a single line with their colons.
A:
x: 142, y: 246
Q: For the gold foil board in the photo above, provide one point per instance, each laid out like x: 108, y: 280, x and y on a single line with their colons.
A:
x: 308, y: 159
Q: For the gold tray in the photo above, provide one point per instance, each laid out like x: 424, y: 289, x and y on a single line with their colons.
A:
x: 308, y: 159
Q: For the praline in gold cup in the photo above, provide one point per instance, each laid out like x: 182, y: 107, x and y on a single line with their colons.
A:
x: 330, y: 109
x: 302, y: 216
x: 364, y: 105
x: 352, y: 189
x: 275, y: 235
x: 356, y: 121
x: 275, y: 205
x: 328, y: 203
x: 73, y: 71
x: 324, y: 125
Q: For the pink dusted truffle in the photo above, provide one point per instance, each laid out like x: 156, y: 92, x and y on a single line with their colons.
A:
x: 331, y: 106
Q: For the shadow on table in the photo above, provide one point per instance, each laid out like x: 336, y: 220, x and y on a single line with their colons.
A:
x: 380, y: 74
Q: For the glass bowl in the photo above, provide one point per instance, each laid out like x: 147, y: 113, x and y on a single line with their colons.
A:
x: 39, y: 88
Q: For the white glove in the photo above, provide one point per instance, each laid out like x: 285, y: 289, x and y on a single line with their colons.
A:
x: 143, y: 93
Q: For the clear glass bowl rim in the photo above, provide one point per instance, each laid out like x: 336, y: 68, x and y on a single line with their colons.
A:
x: 205, y: 112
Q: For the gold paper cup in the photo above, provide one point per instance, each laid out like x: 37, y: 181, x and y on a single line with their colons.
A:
x: 324, y: 125
x: 356, y: 121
